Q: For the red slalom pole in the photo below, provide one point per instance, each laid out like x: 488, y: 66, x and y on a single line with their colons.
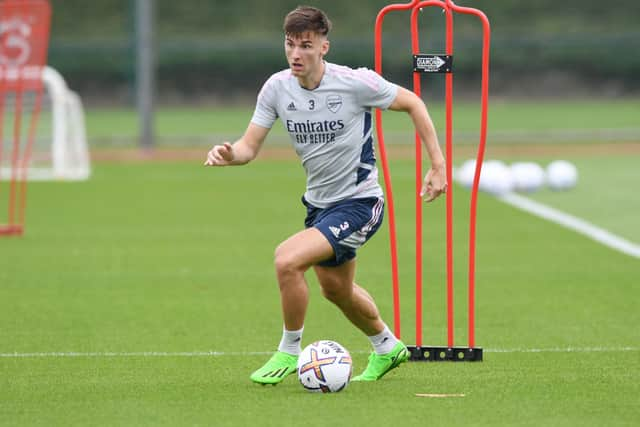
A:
x: 17, y: 79
x: 449, y: 161
x: 15, y: 156
x: 417, y: 88
x: 385, y: 165
x: 486, y: 41
x: 2, y: 98
x: 26, y: 158
x: 436, y: 63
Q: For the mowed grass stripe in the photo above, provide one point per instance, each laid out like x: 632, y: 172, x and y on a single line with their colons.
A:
x: 167, y: 257
x: 581, y: 116
x: 264, y: 353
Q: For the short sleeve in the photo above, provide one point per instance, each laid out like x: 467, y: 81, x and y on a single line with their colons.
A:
x: 265, y: 113
x: 375, y: 91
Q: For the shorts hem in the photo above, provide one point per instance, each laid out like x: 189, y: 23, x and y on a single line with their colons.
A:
x: 332, y: 262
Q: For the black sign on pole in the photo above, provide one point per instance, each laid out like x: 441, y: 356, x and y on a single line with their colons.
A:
x: 429, y: 63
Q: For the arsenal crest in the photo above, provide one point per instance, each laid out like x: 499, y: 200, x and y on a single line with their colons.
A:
x: 334, y: 102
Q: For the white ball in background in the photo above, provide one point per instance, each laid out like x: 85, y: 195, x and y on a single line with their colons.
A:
x: 527, y: 176
x: 561, y: 175
x: 465, y: 173
x: 496, y: 178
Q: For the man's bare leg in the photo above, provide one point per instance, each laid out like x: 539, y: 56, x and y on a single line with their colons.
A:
x: 293, y: 257
x: 355, y: 302
x: 358, y: 306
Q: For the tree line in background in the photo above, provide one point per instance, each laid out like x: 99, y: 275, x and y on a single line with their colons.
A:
x: 225, y: 50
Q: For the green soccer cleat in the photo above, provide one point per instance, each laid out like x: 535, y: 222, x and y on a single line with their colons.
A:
x: 380, y: 364
x: 276, y: 369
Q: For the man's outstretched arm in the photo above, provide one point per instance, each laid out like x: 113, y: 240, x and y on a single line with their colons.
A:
x: 435, y: 181
x: 240, y: 152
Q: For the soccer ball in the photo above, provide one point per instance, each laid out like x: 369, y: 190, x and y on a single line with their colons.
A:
x: 561, y: 175
x: 324, y: 366
x: 496, y: 178
x: 465, y: 173
x: 527, y: 176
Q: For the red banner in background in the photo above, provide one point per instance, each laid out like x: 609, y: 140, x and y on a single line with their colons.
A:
x: 24, y: 42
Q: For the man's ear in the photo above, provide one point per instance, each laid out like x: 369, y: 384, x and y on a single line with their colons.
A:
x: 325, y: 47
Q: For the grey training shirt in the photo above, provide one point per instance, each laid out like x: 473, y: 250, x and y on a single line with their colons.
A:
x: 330, y: 128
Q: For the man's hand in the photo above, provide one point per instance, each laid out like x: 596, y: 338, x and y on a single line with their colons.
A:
x: 220, y: 155
x: 435, y: 183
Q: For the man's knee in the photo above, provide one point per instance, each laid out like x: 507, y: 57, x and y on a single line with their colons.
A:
x: 337, y: 292
x: 333, y: 295
x: 286, y: 262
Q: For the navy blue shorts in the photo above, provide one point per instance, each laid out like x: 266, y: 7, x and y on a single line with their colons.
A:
x: 347, y: 225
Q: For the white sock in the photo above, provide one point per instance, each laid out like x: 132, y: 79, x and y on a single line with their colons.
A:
x: 290, y: 342
x: 383, y: 342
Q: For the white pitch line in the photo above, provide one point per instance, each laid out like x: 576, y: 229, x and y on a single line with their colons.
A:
x: 440, y: 395
x: 265, y: 353
x: 136, y: 354
x: 564, y: 350
x: 571, y: 222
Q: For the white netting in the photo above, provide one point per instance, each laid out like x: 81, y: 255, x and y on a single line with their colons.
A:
x: 59, y: 150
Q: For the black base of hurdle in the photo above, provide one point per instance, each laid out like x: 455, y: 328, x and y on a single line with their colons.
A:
x: 444, y: 354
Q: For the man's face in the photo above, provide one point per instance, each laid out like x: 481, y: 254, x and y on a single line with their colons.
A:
x: 305, y: 52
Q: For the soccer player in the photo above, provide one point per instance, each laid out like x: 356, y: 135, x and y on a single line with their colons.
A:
x: 326, y: 109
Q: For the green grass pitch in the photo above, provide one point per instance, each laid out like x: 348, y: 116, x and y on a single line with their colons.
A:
x: 147, y: 267
x: 517, y: 119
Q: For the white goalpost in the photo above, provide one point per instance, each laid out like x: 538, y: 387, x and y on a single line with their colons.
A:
x: 59, y: 149
x: 42, y: 131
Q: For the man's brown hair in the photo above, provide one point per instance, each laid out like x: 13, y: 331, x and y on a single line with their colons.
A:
x: 306, y: 18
